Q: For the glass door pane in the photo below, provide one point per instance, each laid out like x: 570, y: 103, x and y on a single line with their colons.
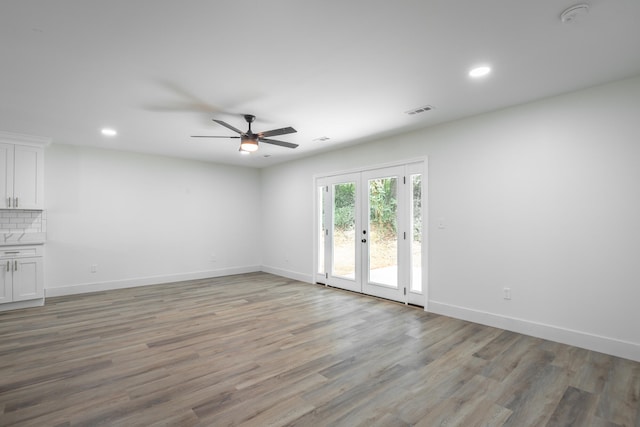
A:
x: 344, y: 230
x: 322, y: 230
x: 416, y: 232
x: 383, y: 231
x: 385, y: 264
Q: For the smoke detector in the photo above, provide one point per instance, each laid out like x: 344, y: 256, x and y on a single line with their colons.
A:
x: 574, y: 12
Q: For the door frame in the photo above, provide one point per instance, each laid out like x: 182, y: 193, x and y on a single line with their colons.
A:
x: 412, y: 297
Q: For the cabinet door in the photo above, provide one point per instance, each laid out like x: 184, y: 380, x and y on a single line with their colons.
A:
x: 28, y: 177
x: 6, y: 284
x: 27, y: 279
x: 6, y: 175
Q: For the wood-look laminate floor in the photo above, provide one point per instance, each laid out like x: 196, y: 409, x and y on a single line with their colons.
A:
x: 261, y: 350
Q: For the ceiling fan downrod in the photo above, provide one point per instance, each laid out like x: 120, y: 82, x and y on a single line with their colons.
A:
x: 249, y: 118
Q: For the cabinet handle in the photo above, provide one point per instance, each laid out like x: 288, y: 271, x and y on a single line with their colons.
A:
x: 15, y: 204
x: 9, y: 202
x: 15, y: 265
x: 8, y: 265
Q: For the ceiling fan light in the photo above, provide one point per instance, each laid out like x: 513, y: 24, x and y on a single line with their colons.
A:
x: 249, y: 144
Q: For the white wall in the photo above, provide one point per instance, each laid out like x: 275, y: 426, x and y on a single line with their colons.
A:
x: 145, y: 219
x: 543, y: 198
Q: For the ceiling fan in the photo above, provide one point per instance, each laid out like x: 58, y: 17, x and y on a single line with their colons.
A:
x: 249, y: 140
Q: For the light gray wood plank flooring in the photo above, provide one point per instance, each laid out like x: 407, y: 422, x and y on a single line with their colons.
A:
x: 262, y: 350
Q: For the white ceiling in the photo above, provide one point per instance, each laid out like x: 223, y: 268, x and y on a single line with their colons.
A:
x: 159, y: 70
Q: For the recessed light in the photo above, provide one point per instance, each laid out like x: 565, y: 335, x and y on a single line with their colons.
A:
x: 479, y: 71
x: 109, y: 132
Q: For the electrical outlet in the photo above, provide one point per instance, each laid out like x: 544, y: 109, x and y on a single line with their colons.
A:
x: 94, y: 268
x: 506, y: 293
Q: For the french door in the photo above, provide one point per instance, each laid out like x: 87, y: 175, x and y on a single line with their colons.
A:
x: 369, y: 232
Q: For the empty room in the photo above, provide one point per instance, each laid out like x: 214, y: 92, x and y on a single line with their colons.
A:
x: 306, y: 213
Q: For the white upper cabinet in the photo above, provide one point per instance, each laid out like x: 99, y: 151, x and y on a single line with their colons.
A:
x: 21, y: 172
x: 28, y: 177
x: 6, y: 174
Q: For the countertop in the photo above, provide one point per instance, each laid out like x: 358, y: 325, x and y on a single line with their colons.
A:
x: 13, y: 239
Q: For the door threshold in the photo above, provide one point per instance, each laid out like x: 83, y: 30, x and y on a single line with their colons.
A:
x: 370, y: 296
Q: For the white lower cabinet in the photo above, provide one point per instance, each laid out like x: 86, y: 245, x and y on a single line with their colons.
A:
x: 21, y: 275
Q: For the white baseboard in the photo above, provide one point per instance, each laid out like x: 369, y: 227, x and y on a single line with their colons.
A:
x: 146, y: 281
x: 624, y: 349
x: 307, y: 278
x: 22, y: 304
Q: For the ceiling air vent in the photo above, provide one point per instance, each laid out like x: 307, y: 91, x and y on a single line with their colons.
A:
x: 419, y: 110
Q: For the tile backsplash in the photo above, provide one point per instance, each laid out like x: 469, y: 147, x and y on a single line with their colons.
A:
x: 16, y: 221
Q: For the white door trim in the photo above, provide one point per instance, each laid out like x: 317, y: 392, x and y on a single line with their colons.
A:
x: 413, y: 166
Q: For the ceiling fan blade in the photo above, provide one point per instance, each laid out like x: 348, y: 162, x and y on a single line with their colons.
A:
x: 209, y: 136
x: 280, y: 143
x: 275, y: 132
x: 228, y: 126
